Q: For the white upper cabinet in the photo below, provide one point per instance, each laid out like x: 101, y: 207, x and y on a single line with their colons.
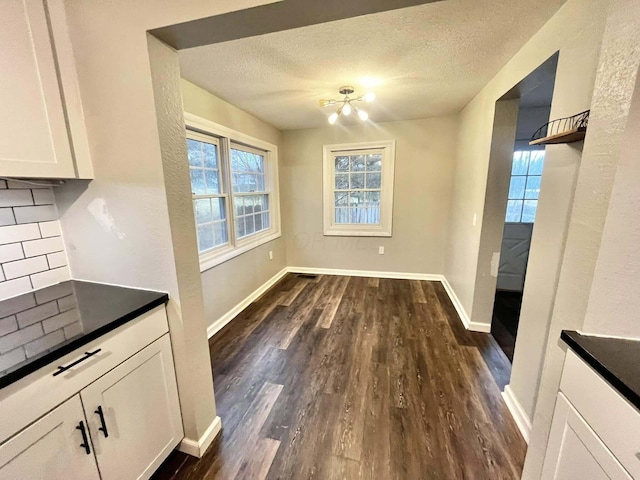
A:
x: 42, y: 132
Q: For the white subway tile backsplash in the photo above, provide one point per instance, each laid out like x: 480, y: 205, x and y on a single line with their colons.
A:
x: 50, y: 277
x: 39, y: 213
x: 13, y: 288
x: 6, y: 217
x: 32, y: 253
x: 8, y: 325
x: 15, y: 198
x: 22, y: 268
x: 42, y: 246
x: 67, y: 303
x: 18, y: 233
x: 50, y: 229
x: 20, y: 337
x: 60, y: 321
x: 59, y: 291
x: 43, y: 196
x: 11, y: 358
x: 72, y: 330
x: 12, y: 251
x: 15, y: 305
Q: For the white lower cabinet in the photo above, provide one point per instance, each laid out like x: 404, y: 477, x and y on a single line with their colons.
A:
x: 134, y: 414
x: 575, y: 451
x: 53, y: 447
x: 120, y: 426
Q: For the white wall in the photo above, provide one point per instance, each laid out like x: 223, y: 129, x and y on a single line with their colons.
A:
x: 423, y: 184
x: 124, y: 214
x: 226, y: 285
x: 615, y: 83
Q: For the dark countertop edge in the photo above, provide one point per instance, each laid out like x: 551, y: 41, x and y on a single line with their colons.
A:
x: 67, y: 348
x: 615, y: 381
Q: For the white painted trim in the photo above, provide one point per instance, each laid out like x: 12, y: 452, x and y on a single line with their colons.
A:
x: 367, y: 273
x: 198, y: 448
x: 216, y: 326
x: 517, y: 412
x: 462, y: 313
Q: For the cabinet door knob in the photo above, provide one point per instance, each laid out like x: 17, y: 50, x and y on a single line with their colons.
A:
x: 103, y: 428
x: 85, y: 440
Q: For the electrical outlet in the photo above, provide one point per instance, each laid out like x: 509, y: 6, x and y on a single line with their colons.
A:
x: 270, y: 254
x: 381, y: 250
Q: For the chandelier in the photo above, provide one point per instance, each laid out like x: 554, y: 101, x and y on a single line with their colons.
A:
x: 346, y: 106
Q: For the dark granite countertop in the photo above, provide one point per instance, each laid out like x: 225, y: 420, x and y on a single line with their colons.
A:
x: 40, y: 327
x: 617, y: 360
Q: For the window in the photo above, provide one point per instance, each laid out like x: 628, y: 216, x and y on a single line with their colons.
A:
x: 235, y: 190
x: 524, y: 189
x: 358, y: 189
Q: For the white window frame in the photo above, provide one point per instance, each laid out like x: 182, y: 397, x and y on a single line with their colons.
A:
x: 198, y: 126
x: 385, y: 228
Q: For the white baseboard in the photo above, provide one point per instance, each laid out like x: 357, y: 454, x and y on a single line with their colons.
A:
x: 199, y: 447
x: 231, y: 314
x: 517, y: 412
x: 462, y: 313
x: 366, y: 273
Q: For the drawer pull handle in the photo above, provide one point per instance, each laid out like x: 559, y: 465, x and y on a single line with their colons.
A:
x: 87, y: 355
x: 85, y: 440
x: 103, y: 428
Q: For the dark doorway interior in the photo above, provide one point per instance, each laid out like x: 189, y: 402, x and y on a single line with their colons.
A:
x: 504, y: 326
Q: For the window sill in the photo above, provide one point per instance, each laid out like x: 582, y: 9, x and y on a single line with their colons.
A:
x: 212, y: 259
x: 357, y: 233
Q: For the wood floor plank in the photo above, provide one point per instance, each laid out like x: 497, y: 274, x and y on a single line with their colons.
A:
x: 356, y: 378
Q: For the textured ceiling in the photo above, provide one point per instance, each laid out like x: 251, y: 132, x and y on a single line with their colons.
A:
x: 420, y: 61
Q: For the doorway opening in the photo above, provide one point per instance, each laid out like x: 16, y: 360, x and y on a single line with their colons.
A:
x: 522, y: 201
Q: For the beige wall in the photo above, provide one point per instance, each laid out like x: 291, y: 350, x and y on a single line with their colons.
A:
x: 423, y: 180
x: 124, y: 214
x: 227, y: 284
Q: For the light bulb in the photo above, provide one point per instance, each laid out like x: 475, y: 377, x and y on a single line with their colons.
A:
x: 333, y: 117
x: 369, y: 97
x: 363, y: 115
x: 346, y: 109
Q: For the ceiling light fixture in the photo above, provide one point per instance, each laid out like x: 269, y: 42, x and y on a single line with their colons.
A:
x: 345, y: 104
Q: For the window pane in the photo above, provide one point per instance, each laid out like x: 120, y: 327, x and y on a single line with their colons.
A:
x: 218, y: 208
x: 197, y: 182
x: 210, y: 155
x: 205, y: 237
x: 220, y: 233
x: 516, y: 188
x: 533, y: 187
x: 536, y: 163
x: 249, y: 227
x: 341, y: 199
x: 373, y: 180
x: 372, y: 216
x: 239, y: 204
x: 266, y: 221
x: 357, y: 180
x: 342, y: 181
x: 356, y: 199
x: 374, y: 162
x: 194, y: 153
x: 357, y: 215
x: 257, y: 221
x: 529, y: 211
x: 342, y: 164
x: 203, y: 210
x: 342, y: 215
x: 240, y: 231
x: 372, y: 198
x: 357, y: 163
x: 514, y: 209
x: 520, y: 163
x: 260, y: 184
x: 212, y: 181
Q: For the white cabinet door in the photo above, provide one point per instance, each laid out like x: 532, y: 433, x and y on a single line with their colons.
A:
x: 34, y: 140
x: 134, y: 414
x: 575, y: 451
x: 51, y: 448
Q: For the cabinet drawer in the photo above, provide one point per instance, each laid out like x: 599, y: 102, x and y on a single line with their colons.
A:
x: 28, y: 399
x: 610, y: 415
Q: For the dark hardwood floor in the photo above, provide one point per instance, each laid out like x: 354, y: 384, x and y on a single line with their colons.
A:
x: 350, y: 378
x: 504, y: 323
